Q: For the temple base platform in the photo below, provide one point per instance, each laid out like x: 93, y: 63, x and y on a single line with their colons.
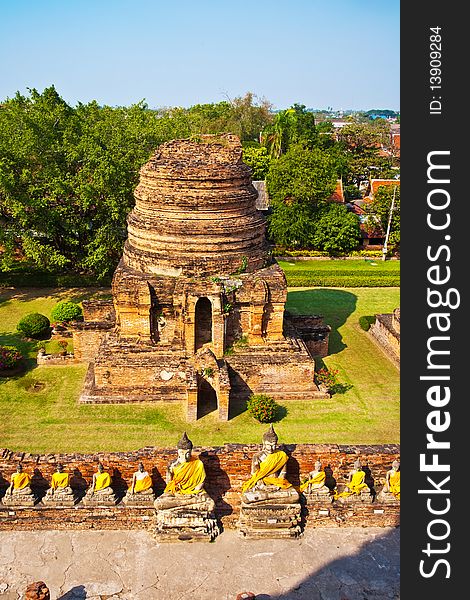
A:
x: 263, y: 520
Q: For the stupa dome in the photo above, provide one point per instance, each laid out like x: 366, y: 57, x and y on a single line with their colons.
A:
x: 195, y: 211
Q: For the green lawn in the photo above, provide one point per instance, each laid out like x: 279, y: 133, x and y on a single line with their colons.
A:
x: 338, y: 272
x: 40, y: 411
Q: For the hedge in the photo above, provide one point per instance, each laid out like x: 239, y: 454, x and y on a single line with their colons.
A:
x: 338, y: 279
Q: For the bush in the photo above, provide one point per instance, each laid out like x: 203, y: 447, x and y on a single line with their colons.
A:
x: 35, y: 326
x: 66, y: 311
x: 263, y: 408
x: 365, y: 321
x: 9, y: 357
x: 326, y: 377
x: 338, y: 279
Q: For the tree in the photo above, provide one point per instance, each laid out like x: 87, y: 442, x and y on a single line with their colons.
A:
x: 378, y: 213
x: 293, y: 126
x: 303, y: 175
x: 258, y: 159
x: 297, y: 183
x: 336, y: 229
x: 67, y: 177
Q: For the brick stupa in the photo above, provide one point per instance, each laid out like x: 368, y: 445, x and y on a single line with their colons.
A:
x: 198, y: 301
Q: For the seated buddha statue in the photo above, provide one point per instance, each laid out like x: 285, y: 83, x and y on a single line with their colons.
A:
x: 60, y: 490
x: 141, y: 486
x: 100, y: 489
x: 185, y: 477
x: 391, y: 488
x: 356, y: 487
x: 314, y: 485
x: 19, y: 490
x: 268, y: 483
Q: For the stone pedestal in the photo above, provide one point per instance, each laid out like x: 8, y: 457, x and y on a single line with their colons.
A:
x: 99, y: 500
x: 188, y: 522
x: 259, y: 520
x: 384, y: 497
x: 140, y: 500
x: 19, y: 500
x: 365, y: 496
x: 57, y: 499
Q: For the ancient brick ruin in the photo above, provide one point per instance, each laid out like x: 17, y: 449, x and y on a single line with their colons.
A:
x: 198, y: 301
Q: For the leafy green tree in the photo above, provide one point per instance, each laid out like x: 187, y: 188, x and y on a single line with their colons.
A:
x: 307, y: 176
x: 336, y: 229
x: 258, y: 159
x: 297, y: 183
x: 378, y: 213
x: 293, y: 126
x: 67, y: 178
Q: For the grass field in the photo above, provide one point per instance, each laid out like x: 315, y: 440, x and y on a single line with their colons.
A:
x: 40, y: 411
x: 341, y: 272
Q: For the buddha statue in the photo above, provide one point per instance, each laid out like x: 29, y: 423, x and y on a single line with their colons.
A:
x: 60, y: 491
x: 314, y: 486
x: 268, y: 481
x: 140, y: 491
x: 356, y: 487
x: 100, y: 491
x: 270, y: 505
x: 185, y: 478
x: 185, y: 510
x: 19, y: 491
x: 391, y: 489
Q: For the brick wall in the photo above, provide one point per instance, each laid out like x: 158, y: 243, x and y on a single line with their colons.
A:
x: 227, y: 467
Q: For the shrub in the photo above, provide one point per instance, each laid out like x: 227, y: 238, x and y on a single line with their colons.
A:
x: 66, y: 311
x: 9, y: 357
x: 262, y: 407
x: 34, y: 325
x: 326, y: 377
x: 365, y: 321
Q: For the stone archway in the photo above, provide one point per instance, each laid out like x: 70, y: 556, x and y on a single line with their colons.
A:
x: 202, y: 323
x: 206, y: 398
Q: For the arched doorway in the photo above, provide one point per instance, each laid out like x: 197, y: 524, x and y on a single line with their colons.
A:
x: 206, y: 398
x: 202, y: 323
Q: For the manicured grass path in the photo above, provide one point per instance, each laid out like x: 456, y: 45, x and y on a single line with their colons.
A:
x: 40, y: 411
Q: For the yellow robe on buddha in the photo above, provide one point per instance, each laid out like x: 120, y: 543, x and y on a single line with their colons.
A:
x: 271, y: 464
x: 319, y: 478
x: 186, y: 477
x: 395, y: 484
x: 59, y: 480
x: 355, y: 485
x: 142, y: 484
x: 20, y: 480
x: 102, y: 481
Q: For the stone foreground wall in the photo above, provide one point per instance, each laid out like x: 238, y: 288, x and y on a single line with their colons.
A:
x: 227, y: 467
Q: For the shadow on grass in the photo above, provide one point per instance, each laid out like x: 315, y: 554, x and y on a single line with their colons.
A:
x: 335, y: 306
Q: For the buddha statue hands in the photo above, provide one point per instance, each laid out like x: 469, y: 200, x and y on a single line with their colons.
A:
x: 268, y: 481
x: 185, y: 477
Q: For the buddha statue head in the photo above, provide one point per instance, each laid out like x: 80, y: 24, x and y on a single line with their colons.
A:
x: 317, y: 466
x: 185, y: 447
x: 270, y: 440
x: 357, y: 464
x: 60, y: 468
x: 19, y: 467
x: 100, y: 467
x: 396, y: 465
x: 141, y: 467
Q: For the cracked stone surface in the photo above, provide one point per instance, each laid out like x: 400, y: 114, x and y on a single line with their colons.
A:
x: 324, y: 564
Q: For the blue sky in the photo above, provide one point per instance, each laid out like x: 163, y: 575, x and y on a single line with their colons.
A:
x: 343, y: 54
